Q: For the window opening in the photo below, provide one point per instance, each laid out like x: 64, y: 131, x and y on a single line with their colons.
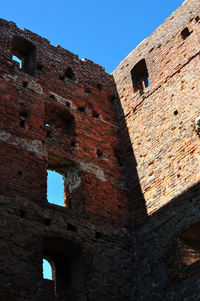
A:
x: 59, y: 118
x: 55, y: 188
x: 69, y: 73
x: 185, y: 33
x: 140, y: 76
x: 47, y: 270
x: 16, y: 59
x: 23, y: 52
x: 65, y: 268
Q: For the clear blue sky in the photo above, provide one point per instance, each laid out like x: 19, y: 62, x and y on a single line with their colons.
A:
x: 104, y: 31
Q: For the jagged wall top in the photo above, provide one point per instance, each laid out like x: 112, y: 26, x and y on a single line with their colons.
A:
x: 56, y: 57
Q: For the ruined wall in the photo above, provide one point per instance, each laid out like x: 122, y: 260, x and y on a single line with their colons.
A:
x: 57, y: 113
x: 158, y: 87
x: 128, y: 150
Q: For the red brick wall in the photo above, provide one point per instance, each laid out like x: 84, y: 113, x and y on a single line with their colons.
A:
x: 161, y: 122
x: 84, y: 101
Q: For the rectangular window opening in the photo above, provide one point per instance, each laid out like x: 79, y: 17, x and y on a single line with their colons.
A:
x: 55, y: 188
x: 23, y: 52
x: 140, y: 76
x: 64, y: 187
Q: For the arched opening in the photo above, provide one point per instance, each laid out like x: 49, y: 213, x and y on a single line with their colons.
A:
x: 58, y: 121
x: 66, y: 271
x: 140, y: 76
x: 48, y: 270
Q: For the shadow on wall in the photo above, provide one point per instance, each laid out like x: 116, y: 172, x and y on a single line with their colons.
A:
x: 127, y: 162
x: 166, y: 243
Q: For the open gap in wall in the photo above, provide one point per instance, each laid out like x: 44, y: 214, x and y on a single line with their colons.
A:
x: 55, y: 188
x: 64, y: 187
x: 185, y: 33
x: 48, y: 270
x: 63, y: 256
x: 23, y: 52
x: 58, y: 120
x: 18, y: 60
x: 140, y: 76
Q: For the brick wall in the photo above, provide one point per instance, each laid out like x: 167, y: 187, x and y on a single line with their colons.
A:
x: 128, y: 149
x: 158, y: 88
x: 57, y: 113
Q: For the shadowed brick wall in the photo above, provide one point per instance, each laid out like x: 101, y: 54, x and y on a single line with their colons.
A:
x: 158, y: 87
x: 127, y: 146
x: 57, y: 113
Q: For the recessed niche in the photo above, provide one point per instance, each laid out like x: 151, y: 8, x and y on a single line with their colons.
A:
x: 185, y: 33
x: 88, y: 90
x: 22, y: 213
x: 25, y: 84
x: 39, y: 66
x: 95, y: 114
x: 99, y: 153
x: 47, y: 221
x: 98, y: 235
x: 71, y: 227
x: 22, y: 123
x: 99, y: 87
x: 23, y: 52
x: 69, y: 73
x: 81, y: 109
x: 73, y: 143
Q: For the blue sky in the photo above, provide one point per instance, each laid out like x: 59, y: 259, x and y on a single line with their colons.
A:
x: 103, y: 31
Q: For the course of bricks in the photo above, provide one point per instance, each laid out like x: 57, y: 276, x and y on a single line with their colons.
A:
x: 160, y: 103
x: 127, y: 146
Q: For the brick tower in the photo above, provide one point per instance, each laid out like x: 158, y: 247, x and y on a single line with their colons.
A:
x: 127, y: 147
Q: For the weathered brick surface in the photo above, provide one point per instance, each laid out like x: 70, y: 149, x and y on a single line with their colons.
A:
x: 129, y: 154
x: 60, y: 119
x: 160, y: 120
